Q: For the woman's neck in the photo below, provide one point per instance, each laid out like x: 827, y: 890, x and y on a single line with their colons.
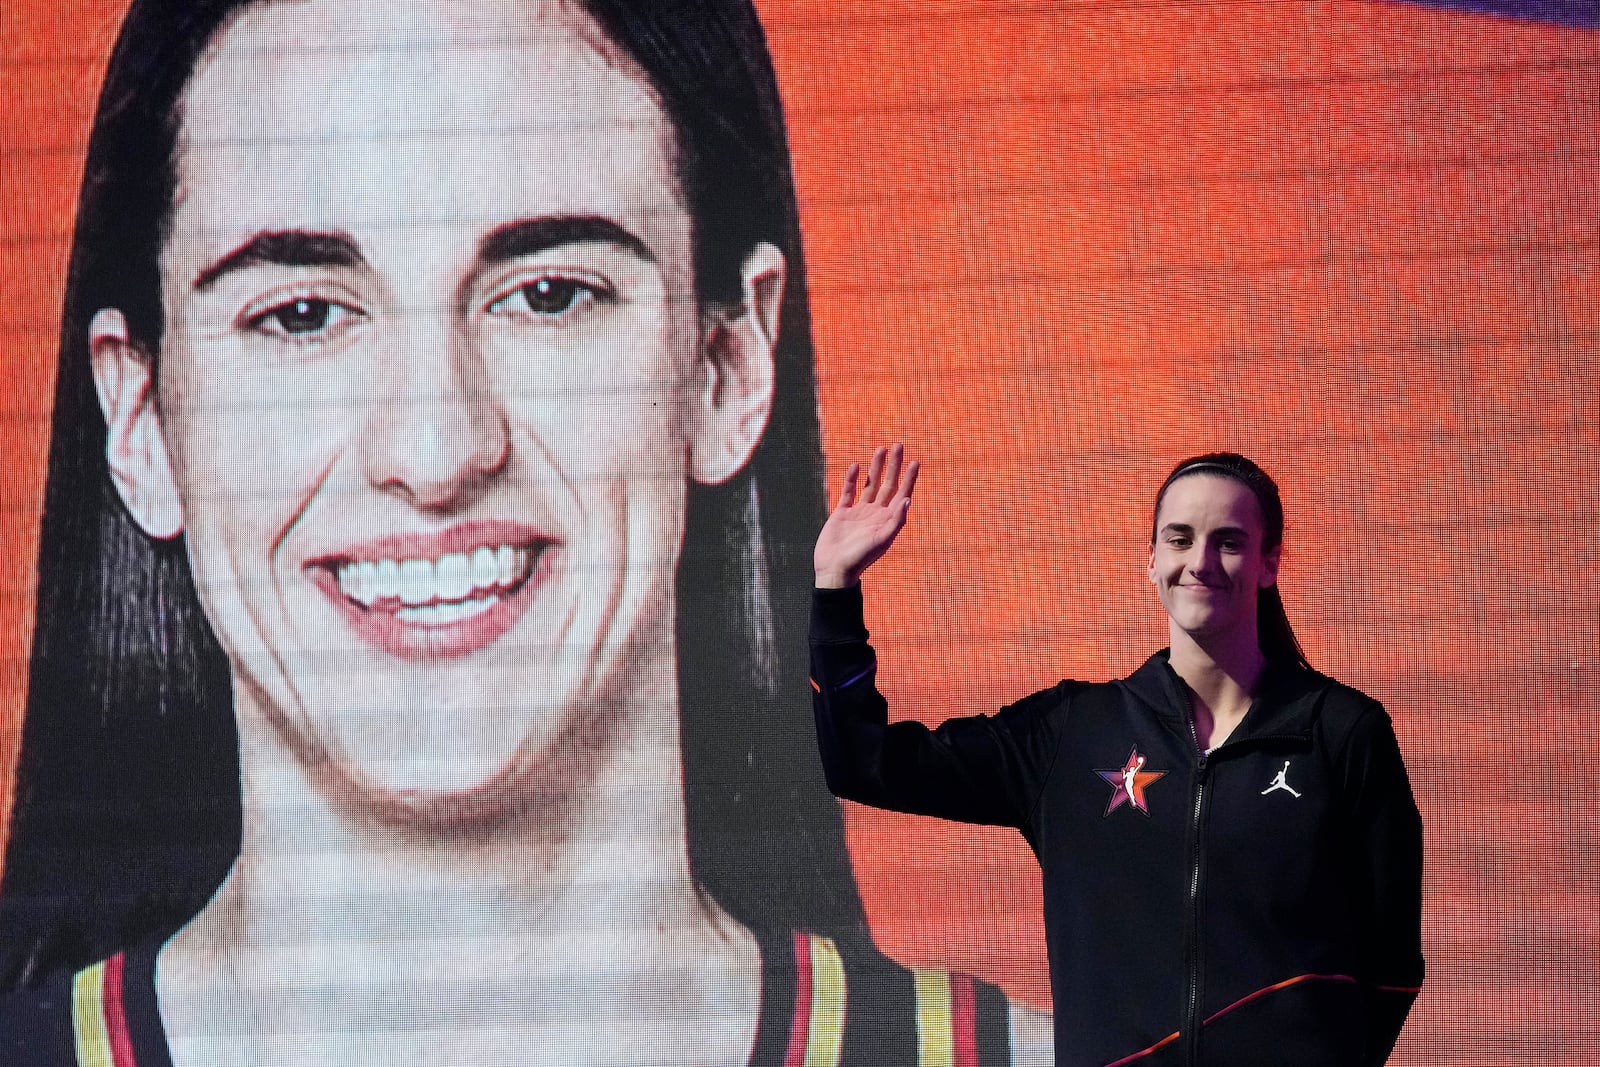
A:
x: 557, y: 922
x: 1222, y: 674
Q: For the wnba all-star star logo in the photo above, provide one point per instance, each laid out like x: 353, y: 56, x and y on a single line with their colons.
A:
x: 1128, y: 784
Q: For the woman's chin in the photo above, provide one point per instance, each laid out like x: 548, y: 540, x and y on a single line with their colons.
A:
x: 451, y: 796
x: 464, y: 779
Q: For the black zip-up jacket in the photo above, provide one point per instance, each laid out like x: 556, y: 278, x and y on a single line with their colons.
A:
x: 1260, y: 905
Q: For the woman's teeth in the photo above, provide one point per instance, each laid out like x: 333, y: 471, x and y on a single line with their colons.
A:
x: 451, y: 579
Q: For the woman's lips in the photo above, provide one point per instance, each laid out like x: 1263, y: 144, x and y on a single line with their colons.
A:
x: 446, y: 594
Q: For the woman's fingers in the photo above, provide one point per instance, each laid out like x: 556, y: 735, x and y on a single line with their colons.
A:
x: 887, y: 483
x: 847, y: 491
x: 891, y: 475
x: 874, y: 476
x: 856, y: 534
x: 909, y: 483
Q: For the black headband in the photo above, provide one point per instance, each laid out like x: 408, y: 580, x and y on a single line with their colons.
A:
x: 1205, y: 465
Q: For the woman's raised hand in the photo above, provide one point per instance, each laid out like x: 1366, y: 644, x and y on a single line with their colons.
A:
x: 863, y: 526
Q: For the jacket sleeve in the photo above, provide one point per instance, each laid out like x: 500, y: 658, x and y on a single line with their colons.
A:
x: 1388, y: 846
x: 982, y: 769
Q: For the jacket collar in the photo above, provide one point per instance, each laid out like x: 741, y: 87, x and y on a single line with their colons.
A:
x: 1285, y: 704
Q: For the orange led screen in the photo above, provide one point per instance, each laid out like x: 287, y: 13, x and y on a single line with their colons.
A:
x: 1055, y: 247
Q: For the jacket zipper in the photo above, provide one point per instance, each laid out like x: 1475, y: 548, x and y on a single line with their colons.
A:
x: 1191, y: 1016
x: 1191, y: 1012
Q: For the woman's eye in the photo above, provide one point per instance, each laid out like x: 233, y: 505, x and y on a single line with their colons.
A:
x: 548, y: 297
x: 302, y: 317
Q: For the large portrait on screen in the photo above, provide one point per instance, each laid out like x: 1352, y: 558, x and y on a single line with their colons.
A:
x: 434, y: 465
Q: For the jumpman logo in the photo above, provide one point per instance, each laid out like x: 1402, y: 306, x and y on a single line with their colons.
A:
x: 1282, y: 782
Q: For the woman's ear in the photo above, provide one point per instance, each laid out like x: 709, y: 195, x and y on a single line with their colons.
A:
x: 1269, y: 566
x: 738, y: 349
x: 136, y: 451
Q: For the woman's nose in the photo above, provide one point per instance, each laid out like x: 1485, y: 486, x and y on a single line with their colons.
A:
x: 437, y: 433
x: 1205, y: 560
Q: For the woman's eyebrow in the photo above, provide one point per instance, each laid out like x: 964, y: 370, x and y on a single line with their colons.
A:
x: 526, y: 237
x: 284, y: 248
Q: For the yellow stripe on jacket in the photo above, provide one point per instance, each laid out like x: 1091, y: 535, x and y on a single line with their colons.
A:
x: 825, y: 1036
x: 89, y: 1035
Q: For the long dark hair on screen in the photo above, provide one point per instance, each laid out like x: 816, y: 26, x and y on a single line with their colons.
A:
x: 127, y: 812
x: 1278, y: 642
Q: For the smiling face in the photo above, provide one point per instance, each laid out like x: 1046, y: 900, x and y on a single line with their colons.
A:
x: 1207, y: 560
x: 432, y: 385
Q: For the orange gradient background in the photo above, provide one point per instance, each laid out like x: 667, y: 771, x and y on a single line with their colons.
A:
x: 1056, y: 246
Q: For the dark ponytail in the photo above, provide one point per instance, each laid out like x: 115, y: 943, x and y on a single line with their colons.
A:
x: 1276, y: 636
